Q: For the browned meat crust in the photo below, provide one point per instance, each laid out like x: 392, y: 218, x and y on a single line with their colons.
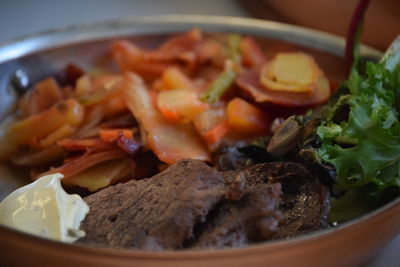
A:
x: 191, y: 205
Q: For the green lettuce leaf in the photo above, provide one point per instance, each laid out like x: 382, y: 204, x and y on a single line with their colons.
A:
x: 364, y: 148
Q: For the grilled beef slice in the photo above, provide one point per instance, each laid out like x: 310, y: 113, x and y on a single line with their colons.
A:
x: 304, y: 202
x: 252, y: 218
x: 191, y: 205
x: 156, y: 213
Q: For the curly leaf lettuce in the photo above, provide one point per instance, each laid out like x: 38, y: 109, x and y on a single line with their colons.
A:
x: 364, y: 148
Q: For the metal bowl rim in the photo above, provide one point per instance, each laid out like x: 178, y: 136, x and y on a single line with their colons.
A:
x: 73, y: 34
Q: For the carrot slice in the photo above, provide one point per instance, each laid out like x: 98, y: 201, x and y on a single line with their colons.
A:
x: 170, y: 113
x: 110, y: 135
x: 158, y: 85
x: 216, y: 133
x: 210, y: 50
x: 84, y: 162
x: 150, y: 64
x: 79, y: 144
x: 179, y: 105
x: 246, y: 118
x: 252, y: 55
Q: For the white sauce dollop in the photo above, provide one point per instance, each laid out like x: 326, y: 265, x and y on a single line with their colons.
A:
x: 43, y: 208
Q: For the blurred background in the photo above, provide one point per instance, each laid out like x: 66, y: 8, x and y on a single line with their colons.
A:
x: 19, y: 17
x: 25, y: 16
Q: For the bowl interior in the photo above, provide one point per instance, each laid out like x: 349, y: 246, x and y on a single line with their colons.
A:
x: 46, y: 54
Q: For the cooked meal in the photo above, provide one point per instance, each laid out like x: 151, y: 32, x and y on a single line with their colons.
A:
x: 205, y: 141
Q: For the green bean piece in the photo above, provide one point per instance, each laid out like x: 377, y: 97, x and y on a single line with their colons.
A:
x: 219, y: 86
x: 234, y: 47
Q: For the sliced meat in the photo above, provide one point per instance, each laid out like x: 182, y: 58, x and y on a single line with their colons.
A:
x: 191, y: 205
x: 304, y: 202
x: 154, y: 214
x: 253, y: 218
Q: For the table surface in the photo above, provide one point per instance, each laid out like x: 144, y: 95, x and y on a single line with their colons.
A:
x: 22, y: 17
